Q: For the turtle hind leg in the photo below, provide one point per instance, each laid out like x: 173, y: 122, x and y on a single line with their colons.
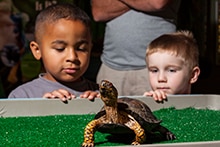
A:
x: 166, y: 134
x: 170, y: 136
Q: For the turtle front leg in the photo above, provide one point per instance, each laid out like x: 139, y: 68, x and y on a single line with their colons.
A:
x: 89, y: 134
x: 138, y: 130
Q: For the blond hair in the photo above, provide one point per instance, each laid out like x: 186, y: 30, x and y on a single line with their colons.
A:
x: 180, y: 43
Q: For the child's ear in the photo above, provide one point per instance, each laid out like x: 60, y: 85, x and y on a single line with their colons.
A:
x: 195, y: 74
x: 35, y: 50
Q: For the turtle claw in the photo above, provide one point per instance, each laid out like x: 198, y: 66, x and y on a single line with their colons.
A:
x: 87, y: 144
x: 170, y: 136
x: 135, y: 143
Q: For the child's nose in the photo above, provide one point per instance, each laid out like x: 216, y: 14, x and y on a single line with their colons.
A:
x: 71, y: 55
x: 162, y: 77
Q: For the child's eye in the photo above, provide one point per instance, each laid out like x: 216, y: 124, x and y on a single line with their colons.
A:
x: 59, y: 49
x: 153, y: 70
x: 81, y: 49
x: 82, y: 46
x: 172, y: 70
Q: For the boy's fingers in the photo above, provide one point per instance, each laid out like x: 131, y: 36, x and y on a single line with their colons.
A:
x: 91, y: 95
x: 48, y: 95
x: 150, y: 93
x: 62, y: 94
x: 160, y: 96
x: 84, y: 95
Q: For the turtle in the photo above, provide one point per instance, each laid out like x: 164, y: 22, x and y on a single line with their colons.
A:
x: 123, y: 115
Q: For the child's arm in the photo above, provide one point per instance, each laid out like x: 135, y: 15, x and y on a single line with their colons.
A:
x: 158, y: 95
x: 105, y: 10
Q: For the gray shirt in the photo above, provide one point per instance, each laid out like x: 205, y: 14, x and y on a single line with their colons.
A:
x: 38, y: 87
x: 127, y: 36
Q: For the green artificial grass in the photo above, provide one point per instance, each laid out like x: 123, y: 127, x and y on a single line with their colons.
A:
x: 189, y: 125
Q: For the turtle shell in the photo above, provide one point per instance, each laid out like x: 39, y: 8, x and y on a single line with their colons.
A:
x: 137, y: 109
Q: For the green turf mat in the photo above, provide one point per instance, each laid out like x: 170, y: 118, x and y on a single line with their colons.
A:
x: 189, y: 125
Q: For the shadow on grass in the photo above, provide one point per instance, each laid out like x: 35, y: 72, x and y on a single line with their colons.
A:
x: 127, y: 139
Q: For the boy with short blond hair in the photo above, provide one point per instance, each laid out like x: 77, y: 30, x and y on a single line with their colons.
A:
x: 173, y: 64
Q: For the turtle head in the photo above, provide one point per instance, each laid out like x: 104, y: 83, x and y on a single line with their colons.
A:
x: 109, y: 93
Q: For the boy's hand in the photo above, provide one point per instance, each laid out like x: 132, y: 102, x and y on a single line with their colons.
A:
x: 91, y: 95
x: 62, y: 94
x: 158, y: 95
